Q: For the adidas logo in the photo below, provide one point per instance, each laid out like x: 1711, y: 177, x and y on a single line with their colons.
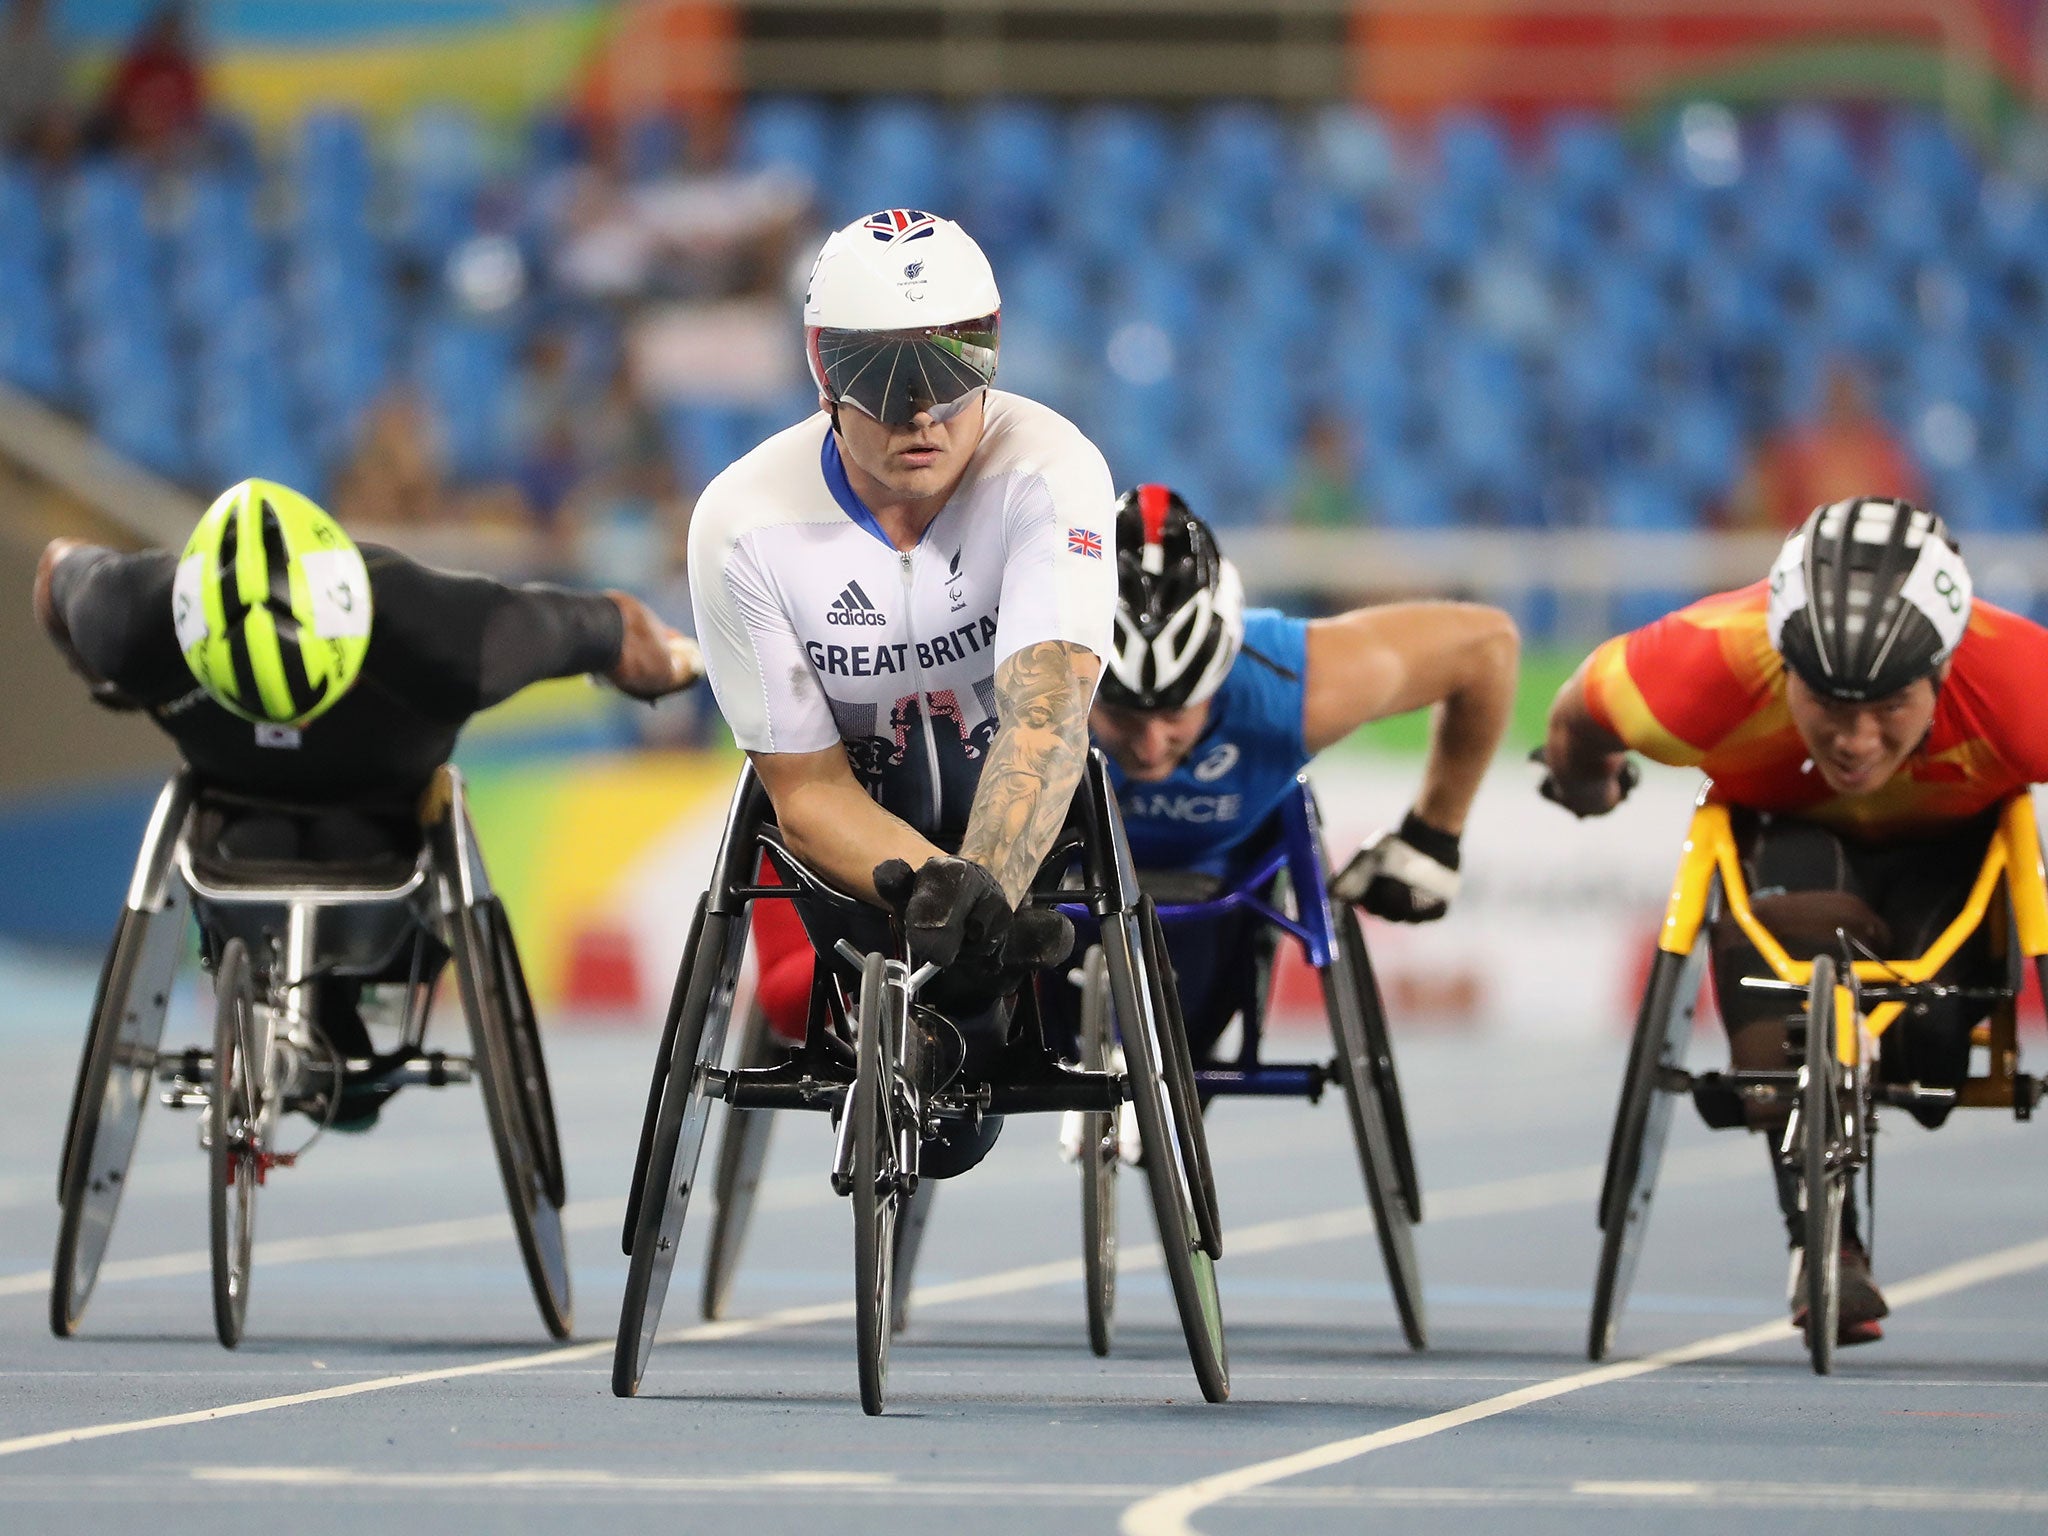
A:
x: 851, y: 606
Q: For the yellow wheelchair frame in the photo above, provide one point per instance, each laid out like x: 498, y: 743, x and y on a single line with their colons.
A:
x: 1830, y: 1119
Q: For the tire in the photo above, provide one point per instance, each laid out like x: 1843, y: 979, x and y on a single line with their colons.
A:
x: 116, y: 1072
x: 1179, y: 1064
x: 1190, y: 1270
x: 742, y: 1153
x: 1386, y: 1083
x: 669, y: 1171
x: 677, y: 997
x: 235, y: 1118
x: 875, y: 1181
x: 1346, y: 983
x: 536, y: 1096
x: 1822, y: 1169
x: 516, y: 1107
x: 910, y: 1224
x: 1642, y: 1121
x: 1099, y: 1162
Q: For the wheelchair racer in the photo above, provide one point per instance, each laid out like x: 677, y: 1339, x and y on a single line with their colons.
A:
x: 1864, y: 716
x: 902, y: 601
x: 1208, y: 711
x: 315, y: 688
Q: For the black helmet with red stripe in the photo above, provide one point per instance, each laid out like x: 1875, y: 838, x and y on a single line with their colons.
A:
x: 1180, y: 606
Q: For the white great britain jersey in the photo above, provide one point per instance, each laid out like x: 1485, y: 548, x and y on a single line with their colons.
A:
x: 817, y: 630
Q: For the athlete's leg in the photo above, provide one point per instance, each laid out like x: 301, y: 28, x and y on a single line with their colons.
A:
x: 1920, y: 886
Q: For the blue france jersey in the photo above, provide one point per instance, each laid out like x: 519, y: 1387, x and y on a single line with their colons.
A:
x: 1241, y: 768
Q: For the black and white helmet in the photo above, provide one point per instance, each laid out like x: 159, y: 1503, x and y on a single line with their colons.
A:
x: 1868, y: 597
x: 1180, y: 606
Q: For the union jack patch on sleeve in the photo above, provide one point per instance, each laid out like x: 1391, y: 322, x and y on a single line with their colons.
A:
x: 1082, y: 542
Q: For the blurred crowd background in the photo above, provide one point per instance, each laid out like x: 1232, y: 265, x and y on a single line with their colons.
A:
x: 1566, y: 303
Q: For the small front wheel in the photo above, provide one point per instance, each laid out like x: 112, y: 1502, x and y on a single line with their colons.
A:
x: 235, y: 1132
x: 876, y: 1179
x: 1099, y: 1161
x: 1823, y: 1169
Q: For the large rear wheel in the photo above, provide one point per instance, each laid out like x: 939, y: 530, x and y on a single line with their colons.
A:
x: 235, y: 1130
x: 1178, y: 1058
x: 513, y: 1081
x: 696, y: 1034
x: 1347, y: 981
x: 1190, y: 1270
x: 742, y: 1153
x: 1642, y: 1121
x: 115, y: 1076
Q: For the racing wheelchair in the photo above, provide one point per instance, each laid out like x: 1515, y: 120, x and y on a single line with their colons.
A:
x: 273, y: 933
x: 1850, y: 1001
x: 860, y: 1063
x: 1362, y: 1066
x: 1283, y: 891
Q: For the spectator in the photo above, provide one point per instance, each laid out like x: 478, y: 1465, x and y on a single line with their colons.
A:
x: 155, y: 104
x: 394, y: 476
x: 1322, y: 493
x: 36, y: 116
x: 1848, y: 451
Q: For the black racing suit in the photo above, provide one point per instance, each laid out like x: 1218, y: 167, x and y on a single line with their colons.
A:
x: 345, y: 787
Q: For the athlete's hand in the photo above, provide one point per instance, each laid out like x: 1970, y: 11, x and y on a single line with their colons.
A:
x: 1594, y: 796
x: 1407, y: 876
x: 951, y: 909
x: 654, y: 659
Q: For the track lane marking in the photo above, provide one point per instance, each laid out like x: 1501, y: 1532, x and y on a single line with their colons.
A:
x: 831, y: 1485
x: 1525, y: 1192
x: 1170, y: 1511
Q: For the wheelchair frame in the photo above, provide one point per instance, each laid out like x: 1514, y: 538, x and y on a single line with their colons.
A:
x: 858, y: 1063
x: 1362, y: 1065
x: 1849, y: 1004
x: 268, y: 940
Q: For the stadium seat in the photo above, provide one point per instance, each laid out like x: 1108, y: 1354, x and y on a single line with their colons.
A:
x: 796, y: 132
x: 894, y: 159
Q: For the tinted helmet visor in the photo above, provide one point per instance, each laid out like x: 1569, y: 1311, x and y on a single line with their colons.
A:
x: 894, y: 375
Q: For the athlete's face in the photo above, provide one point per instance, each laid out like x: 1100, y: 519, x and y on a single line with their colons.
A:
x: 917, y: 461
x: 1148, y: 744
x: 1856, y: 748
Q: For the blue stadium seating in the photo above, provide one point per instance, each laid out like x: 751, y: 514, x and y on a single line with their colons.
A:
x: 1529, y: 328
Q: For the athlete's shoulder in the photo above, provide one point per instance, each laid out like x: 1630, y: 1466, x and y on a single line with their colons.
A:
x: 780, y: 481
x: 1997, y: 675
x: 1277, y: 639
x: 1680, y: 685
x: 1023, y: 436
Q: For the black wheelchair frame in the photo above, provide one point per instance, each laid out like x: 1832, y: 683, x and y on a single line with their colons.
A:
x: 858, y: 1063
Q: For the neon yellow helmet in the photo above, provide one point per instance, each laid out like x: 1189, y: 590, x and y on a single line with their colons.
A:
x: 272, y: 605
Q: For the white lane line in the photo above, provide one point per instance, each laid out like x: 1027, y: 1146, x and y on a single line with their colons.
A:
x: 377, y: 1242
x: 1525, y: 1193
x: 1169, y: 1513
x: 830, y: 1486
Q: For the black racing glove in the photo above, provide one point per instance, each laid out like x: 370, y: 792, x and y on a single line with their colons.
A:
x: 1407, y: 876
x: 1549, y: 789
x: 950, y: 908
x: 1038, y: 937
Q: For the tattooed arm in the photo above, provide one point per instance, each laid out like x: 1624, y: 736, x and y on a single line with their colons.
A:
x: 1034, y: 762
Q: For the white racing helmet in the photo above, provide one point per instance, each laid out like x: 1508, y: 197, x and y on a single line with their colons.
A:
x: 901, y: 316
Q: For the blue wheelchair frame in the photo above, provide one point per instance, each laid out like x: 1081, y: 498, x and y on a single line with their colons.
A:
x: 1362, y: 1067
